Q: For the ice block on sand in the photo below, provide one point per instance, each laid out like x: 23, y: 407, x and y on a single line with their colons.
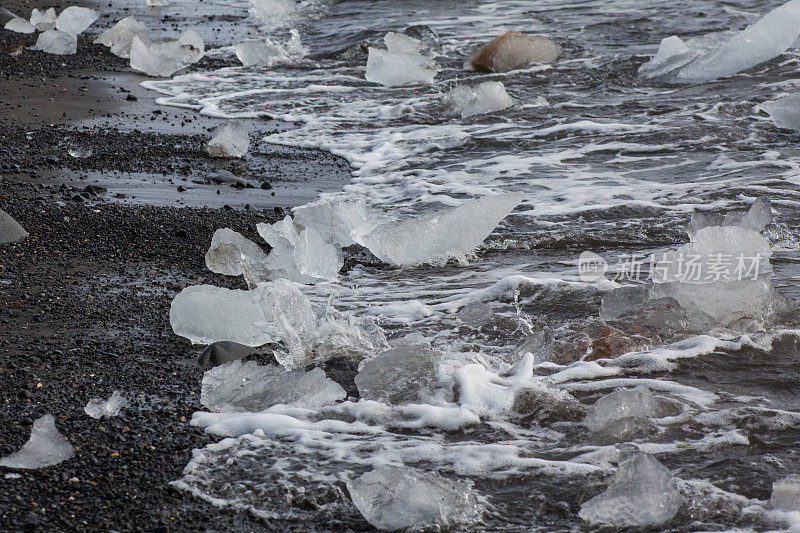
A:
x: 46, y: 447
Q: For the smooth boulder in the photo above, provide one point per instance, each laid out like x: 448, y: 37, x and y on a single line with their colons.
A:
x: 221, y: 352
x: 512, y: 50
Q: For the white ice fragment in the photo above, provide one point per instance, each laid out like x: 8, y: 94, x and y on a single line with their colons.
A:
x: 271, y: 9
x: 405, y: 374
x: 641, y: 493
x: 19, y: 25
x: 402, y: 63
x: 249, y: 387
x: 157, y: 3
x: 339, y: 222
x: 10, y: 229
x: 785, y: 112
x: 74, y: 20
x: 164, y: 57
x: 786, y: 494
x: 230, y: 140
x: 398, y: 498
x: 99, y: 408
x: 46, y: 447
x: 56, y: 42
x: 267, y: 53
x: 119, y: 37
x: 618, y: 413
x: 439, y: 236
x: 488, y: 97
x: 672, y: 53
x: 232, y: 254
x: 43, y: 20
x: 300, y: 255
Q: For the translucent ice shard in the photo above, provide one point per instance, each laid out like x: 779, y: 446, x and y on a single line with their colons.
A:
x: 339, y: 222
x: 405, y: 374
x: 230, y: 140
x: 10, y: 229
x: 271, y: 9
x: 119, y: 37
x: 402, y: 63
x: 785, y: 112
x: 43, y: 20
x: 488, y: 97
x: 641, y: 493
x: 623, y: 414
x: 266, y: 53
x: 164, y: 57
x: 232, y: 254
x: 157, y: 3
x: 300, y: 255
x: 672, y: 53
x: 46, y: 447
x: 513, y: 50
x: 786, y: 494
x: 99, y: 408
x: 56, y: 42
x: 19, y: 25
x: 398, y: 498
x: 74, y: 20
x: 249, y: 387
x: 439, y: 236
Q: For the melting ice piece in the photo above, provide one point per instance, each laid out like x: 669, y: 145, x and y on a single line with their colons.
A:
x: 119, y: 37
x: 46, y: 447
x: 672, y: 53
x: 157, y: 3
x: 402, y: 63
x: 397, y: 498
x: 10, y: 229
x: 405, y: 374
x: 230, y: 140
x: 19, y: 25
x: 641, y: 493
x: 43, y: 20
x: 438, y: 236
x: 266, y: 53
x: 74, y: 20
x: 756, y: 218
x: 785, y: 112
x: 233, y: 254
x: 249, y: 387
x: 488, y: 97
x: 270, y: 9
x: 616, y: 414
x: 99, y: 408
x: 164, y: 57
x: 339, y: 222
x: 300, y: 255
x: 786, y: 494
x: 512, y: 50
x: 56, y: 42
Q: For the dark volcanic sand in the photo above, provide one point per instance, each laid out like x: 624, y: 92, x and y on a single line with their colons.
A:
x: 84, y: 300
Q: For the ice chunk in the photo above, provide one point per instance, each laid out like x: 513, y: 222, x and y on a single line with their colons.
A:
x: 641, y: 493
x: 10, y: 229
x: 232, y: 254
x: 248, y: 387
x: 488, y: 97
x: 786, y: 494
x: 339, y: 222
x: 221, y: 352
x: 623, y: 414
x: 230, y: 140
x: 43, y: 20
x: 164, y: 57
x: 512, y: 50
x: 438, y: 236
x: 19, y: 25
x: 300, y: 255
x: 402, y: 63
x: 270, y: 9
x: 46, y: 447
x: 99, y: 408
x: 785, y: 112
x: 393, y: 498
x: 74, y: 20
x: 56, y: 42
x: 266, y: 53
x: 119, y: 37
x: 157, y: 3
x: 672, y: 53
x: 756, y: 218
x: 405, y: 374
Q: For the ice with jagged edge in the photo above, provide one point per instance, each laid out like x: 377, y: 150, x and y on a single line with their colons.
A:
x: 267, y: 53
x: 404, y: 374
x: 233, y: 254
x: 19, y: 25
x: 393, y: 498
x: 441, y: 235
x: 46, y: 447
x: 341, y: 222
x: 300, y: 254
x: 164, y: 57
x: 230, y: 140
x: 488, y: 97
x: 270, y: 9
x: 623, y: 414
x: 99, y: 408
x: 56, y: 42
x: 249, y: 387
x: 119, y: 37
x: 785, y: 111
x: 402, y: 63
x: 43, y: 20
x: 642, y: 493
x: 75, y: 20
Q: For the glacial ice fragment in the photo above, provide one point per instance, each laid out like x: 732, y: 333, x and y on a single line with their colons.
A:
x: 300, y: 255
x: 786, y: 494
x: 74, y: 20
x: 785, y: 112
x: 19, y: 25
x: 56, y: 42
x: 402, y: 63
x: 405, y: 374
x: 641, y: 493
x: 119, y: 37
x: 339, y: 222
x: 46, y: 447
x: 488, y: 97
x: 393, y: 498
x: 439, y: 236
x: 99, y: 408
x: 672, y: 53
x: 10, y: 229
x: 230, y: 140
x: 267, y: 53
x: 512, y: 50
x: 249, y: 387
x: 157, y: 3
x: 271, y: 9
x: 164, y: 57
x: 623, y: 414
x: 43, y: 20
x: 233, y: 254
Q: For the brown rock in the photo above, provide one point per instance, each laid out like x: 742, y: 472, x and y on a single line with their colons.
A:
x: 512, y: 50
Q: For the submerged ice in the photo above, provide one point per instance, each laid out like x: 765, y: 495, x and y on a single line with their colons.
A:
x: 46, y: 447
x: 405, y: 374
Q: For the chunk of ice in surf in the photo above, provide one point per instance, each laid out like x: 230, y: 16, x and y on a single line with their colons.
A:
x: 46, y: 447
x: 19, y: 25
x: 786, y: 494
x: 119, y: 37
x: 395, y: 498
x: 439, y: 236
x: 672, y: 53
x: 75, y: 20
x: 266, y: 53
x: 785, y: 112
x: 165, y: 57
x: 56, y: 42
x: 233, y: 254
x: 230, y: 140
x: 488, y: 97
x: 43, y: 20
x: 405, y: 374
x: 339, y: 222
x: 249, y: 387
x: 99, y: 408
x: 157, y: 3
x: 402, y: 63
x: 10, y: 229
x: 642, y: 493
x: 268, y: 10
x: 300, y: 255
x: 623, y: 414
x: 756, y: 218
